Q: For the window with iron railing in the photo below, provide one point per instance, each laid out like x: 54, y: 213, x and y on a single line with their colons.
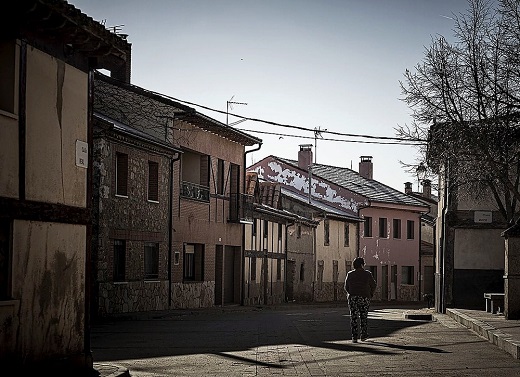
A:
x: 194, y: 191
x: 241, y: 207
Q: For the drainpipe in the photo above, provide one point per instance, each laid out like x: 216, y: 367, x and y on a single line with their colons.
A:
x: 242, y: 256
x: 420, y: 264
x: 441, y: 306
x: 170, y: 230
x: 287, y: 225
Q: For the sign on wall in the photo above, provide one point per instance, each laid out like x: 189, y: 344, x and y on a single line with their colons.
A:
x: 81, y: 154
x: 483, y: 217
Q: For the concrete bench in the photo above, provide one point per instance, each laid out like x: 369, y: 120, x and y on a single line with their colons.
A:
x: 494, y: 302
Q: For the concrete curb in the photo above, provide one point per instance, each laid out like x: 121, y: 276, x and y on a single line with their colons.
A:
x: 491, y: 334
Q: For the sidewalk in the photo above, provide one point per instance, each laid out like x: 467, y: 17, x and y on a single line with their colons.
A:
x: 503, y: 333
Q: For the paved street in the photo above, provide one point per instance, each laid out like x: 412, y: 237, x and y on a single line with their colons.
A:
x: 311, y: 340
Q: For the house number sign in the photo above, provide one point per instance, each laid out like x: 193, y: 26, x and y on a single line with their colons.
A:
x: 81, y: 154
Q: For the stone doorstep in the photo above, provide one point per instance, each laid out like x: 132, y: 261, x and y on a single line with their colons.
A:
x: 418, y: 315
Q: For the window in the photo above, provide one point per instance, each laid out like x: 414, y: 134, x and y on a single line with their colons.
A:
x: 302, y: 272
x: 368, y: 227
x: 119, y: 260
x: 237, y: 207
x: 265, y: 229
x: 299, y: 231
x: 220, y: 176
x: 195, y: 176
x: 153, y: 181
x: 397, y: 228
x: 5, y: 259
x: 407, y: 274
x: 8, y: 76
x: 193, y: 262
x: 121, y: 174
x: 280, y: 232
x: 151, y: 260
x: 326, y: 232
x: 254, y: 228
x: 410, y: 229
x: 373, y: 270
x: 346, y: 237
x: 253, y: 268
x: 278, y: 269
x: 383, y: 227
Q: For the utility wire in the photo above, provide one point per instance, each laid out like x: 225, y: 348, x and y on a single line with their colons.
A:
x: 328, y: 139
x: 291, y: 126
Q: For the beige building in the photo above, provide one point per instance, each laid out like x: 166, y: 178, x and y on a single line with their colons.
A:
x: 45, y: 177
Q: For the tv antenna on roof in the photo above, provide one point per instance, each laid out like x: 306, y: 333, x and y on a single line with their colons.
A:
x: 230, y: 104
x: 317, y: 132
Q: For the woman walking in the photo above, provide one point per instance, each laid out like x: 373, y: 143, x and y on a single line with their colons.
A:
x: 360, y: 287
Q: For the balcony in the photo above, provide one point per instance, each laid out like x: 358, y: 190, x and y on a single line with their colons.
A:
x: 241, y: 208
x: 194, y: 191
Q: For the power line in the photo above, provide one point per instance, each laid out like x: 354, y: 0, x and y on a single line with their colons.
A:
x: 408, y: 142
x: 292, y: 126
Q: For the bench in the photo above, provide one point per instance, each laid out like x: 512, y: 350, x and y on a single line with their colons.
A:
x: 494, y: 302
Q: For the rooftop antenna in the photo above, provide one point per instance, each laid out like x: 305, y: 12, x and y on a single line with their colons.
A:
x: 229, y: 105
x: 317, y: 132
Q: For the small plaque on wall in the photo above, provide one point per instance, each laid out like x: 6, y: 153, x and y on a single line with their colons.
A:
x: 176, y: 257
x: 483, y: 217
x: 81, y: 154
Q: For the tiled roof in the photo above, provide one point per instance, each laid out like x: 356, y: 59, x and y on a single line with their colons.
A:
x: 61, y: 21
x: 371, y: 189
x: 327, y: 209
x: 186, y: 113
x: 136, y: 134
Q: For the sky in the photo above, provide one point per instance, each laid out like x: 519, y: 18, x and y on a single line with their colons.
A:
x: 321, y: 66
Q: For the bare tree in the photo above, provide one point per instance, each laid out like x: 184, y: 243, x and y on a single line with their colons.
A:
x: 465, y: 98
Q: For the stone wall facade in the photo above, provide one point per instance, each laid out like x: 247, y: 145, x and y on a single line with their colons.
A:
x: 132, y: 219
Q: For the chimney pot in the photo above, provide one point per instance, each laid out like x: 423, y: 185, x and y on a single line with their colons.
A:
x: 305, y: 156
x: 408, y: 187
x: 427, y: 188
x: 366, y: 168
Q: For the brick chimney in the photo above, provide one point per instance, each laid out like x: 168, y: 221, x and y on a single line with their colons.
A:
x: 427, y: 188
x: 366, y: 169
x: 408, y: 187
x: 305, y: 156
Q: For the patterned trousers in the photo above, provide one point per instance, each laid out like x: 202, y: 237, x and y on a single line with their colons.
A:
x: 358, y: 313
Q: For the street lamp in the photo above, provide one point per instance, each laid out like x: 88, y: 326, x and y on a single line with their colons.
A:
x: 421, y: 174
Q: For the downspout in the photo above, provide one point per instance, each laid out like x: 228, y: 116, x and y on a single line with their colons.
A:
x: 420, y: 264
x: 170, y: 230
x: 287, y: 225
x: 242, y: 255
x: 442, y: 300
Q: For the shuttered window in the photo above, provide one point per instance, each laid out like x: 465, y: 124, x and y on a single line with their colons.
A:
x: 122, y: 174
x: 153, y: 181
x: 151, y: 260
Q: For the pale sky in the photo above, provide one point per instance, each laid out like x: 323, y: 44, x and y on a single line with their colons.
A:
x: 331, y: 65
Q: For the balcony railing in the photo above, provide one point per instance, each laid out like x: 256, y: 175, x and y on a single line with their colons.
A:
x: 194, y: 191
x: 241, y: 208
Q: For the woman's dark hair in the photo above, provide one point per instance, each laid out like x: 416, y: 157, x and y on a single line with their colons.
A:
x: 358, y: 262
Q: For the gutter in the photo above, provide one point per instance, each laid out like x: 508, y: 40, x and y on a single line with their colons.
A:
x: 170, y: 229
x: 242, y: 256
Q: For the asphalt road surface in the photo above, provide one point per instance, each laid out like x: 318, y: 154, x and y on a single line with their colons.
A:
x: 312, y: 340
